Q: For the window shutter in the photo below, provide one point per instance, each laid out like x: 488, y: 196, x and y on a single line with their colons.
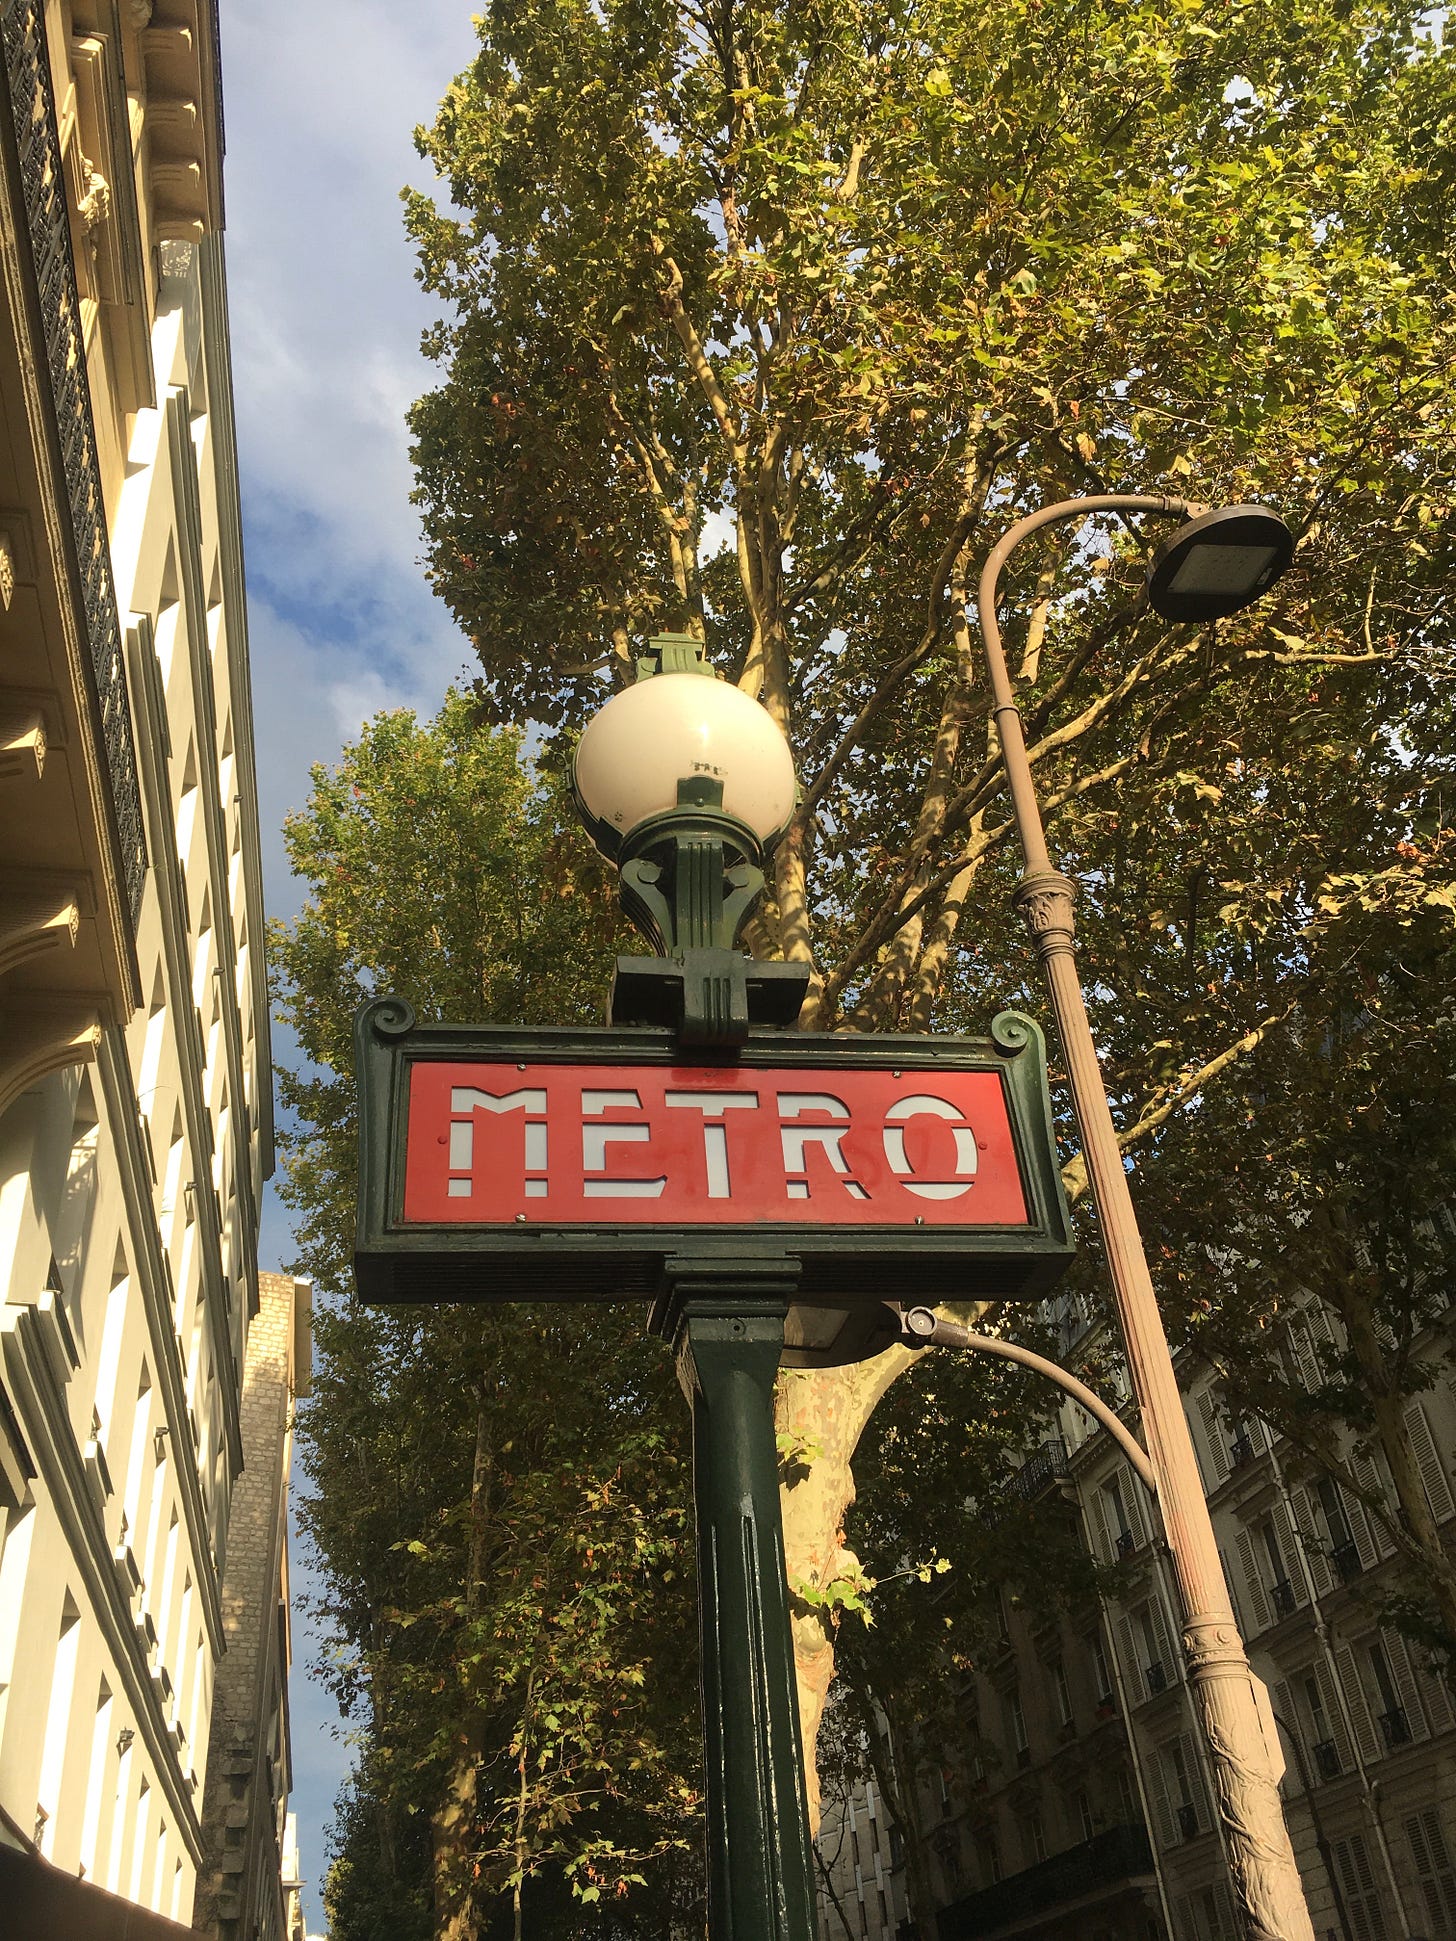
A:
x: 1258, y: 1602
x: 1193, y: 1772
x: 1354, y: 1692
x: 1330, y: 1698
x: 1305, y: 1359
x: 1233, y: 1596
x: 1132, y: 1498
x: 1168, y: 1834
x: 1322, y: 1328
x: 1362, y: 1903
x: 1313, y: 1545
x: 1289, y: 1724
x: 1106, y: 1553
x: 1215, y: 1442
x: 1286, y: 1535
x: 1428, y: 1461
x: 1224, y: 1901
x: 1406, y: 1684
x: 1132, y: 1663
x: 1435, y: 1692
x: 1162, y: 1631
x: 1370, y: 1537
x: 1433, y: 1868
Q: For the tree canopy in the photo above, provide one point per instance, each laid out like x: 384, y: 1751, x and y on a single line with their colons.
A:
x: 764, y: 321
x: 499, y: 1501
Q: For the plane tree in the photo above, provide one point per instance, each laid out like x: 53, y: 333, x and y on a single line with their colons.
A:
x: 762, y: 322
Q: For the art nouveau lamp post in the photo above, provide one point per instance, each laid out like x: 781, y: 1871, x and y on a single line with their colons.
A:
x: 685, y: 783
x: 1216, y: 564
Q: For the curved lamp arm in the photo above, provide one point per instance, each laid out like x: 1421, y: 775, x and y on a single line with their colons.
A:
x: 926, y: 1329
x: 1008, y: 715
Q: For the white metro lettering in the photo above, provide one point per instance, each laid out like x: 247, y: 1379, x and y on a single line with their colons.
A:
x: 796, y: 1139
x: 596, y: 1139
x: 465, y: 1102
x: 899, y: 1116
x: 713, y: 1105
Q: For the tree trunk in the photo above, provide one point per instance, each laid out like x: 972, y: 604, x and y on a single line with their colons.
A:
x: 824, y: 1411
x: 453, y: 1825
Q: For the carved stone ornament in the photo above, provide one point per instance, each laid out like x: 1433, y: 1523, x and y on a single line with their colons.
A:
x: 140, y: 12
x: 1045, y: 899
x: 39, y: 913
x: 95, y: 206
x: 7, y: 572
x: 1214, y: 1647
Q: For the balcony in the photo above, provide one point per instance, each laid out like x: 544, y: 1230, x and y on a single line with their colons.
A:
x: 1327, y: 1759
x: 1126, y: 1543
x: 1346, y: 1559
x: 1395, y: 1728
x: 1156, y: 1677
x: 1040, y: 1472
x: 1241, y: 1452
x: 1187, y: 1816
x: 1120, y: 1857
x: 1282, y: 1596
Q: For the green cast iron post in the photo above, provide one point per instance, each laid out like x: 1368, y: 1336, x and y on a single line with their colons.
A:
x: 725, y: 1320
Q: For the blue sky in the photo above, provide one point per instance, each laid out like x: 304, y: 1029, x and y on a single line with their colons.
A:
x: 321, y: 103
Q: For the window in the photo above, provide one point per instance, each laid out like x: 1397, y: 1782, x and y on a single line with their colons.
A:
x: 1118, y: 1525
x: 1082, y: 1807
x: 1156, y: 1647
x: 1100, y: 1668
x: 1281, y: 1589
x: 1393, y: 1720
x: 1018, y: 1726
x: 1033, y: 1839
x: 1181, y: 1784
x: 1064, y: 1696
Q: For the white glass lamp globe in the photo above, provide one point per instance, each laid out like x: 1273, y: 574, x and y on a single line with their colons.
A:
x: 663, y: 730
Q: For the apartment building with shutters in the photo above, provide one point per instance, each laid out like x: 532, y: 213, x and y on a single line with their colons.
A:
x: 1066, y: 1793
x: 135, y: 1090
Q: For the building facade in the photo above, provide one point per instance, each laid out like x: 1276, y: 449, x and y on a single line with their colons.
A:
x: 135, y: 1089
x: 252, y: 1860
x: 1075, y: 1799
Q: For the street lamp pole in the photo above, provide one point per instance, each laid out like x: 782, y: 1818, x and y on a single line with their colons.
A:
x: 1203, y: 577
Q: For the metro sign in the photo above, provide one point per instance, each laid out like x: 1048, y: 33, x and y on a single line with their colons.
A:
x: 503, y: 1164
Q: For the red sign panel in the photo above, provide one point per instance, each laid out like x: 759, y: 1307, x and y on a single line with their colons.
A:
x: 685, y: 1145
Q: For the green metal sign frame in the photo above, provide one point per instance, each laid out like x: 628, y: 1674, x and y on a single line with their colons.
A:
x: 399, y: 1260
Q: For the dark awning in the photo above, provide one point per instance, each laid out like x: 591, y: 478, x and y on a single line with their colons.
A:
x: 42, y: 1904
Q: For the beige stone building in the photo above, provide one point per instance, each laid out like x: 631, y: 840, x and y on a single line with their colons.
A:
x: 1078, y: 1801
x: 135, y: 1093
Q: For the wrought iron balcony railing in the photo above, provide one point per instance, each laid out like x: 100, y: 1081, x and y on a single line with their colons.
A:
x: 1040, y: 1472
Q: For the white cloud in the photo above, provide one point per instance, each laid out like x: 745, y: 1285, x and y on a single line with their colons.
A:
x: 321, y: 102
